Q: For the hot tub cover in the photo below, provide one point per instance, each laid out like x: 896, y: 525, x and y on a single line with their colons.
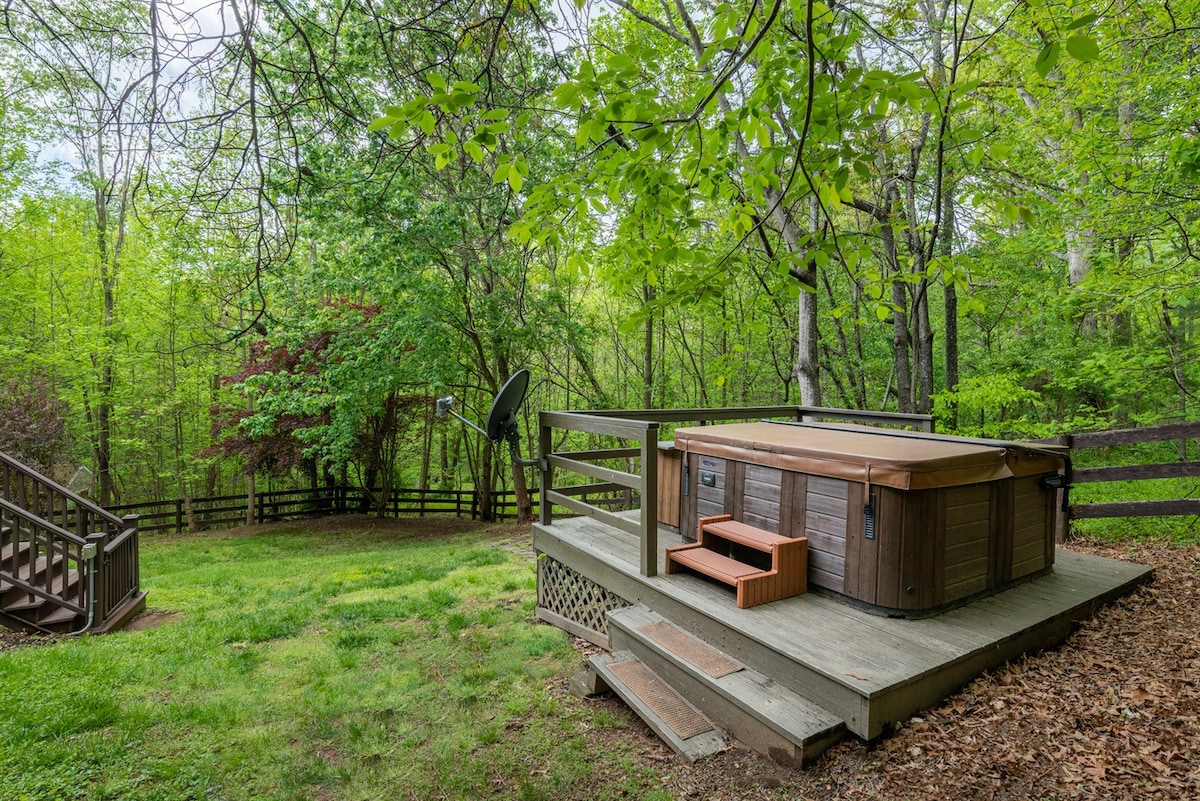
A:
x: 890, y: 458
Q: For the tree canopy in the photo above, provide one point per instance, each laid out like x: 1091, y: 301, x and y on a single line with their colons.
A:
x: 258, y: 237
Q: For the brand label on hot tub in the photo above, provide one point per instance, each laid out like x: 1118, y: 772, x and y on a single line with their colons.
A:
x: 707, y: 463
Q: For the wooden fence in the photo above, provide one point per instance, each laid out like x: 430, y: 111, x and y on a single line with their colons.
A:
x: 229, y: 511
x: 1181, y: 432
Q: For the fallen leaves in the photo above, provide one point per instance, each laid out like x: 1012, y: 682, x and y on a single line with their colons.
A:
x: 1111, y: 714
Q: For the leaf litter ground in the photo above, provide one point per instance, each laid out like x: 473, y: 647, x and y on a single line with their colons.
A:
x: 1113, y: 713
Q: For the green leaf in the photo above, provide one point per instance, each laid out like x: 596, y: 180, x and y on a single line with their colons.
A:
x: 1047, y: 58
x: 436, y: 81
x: 515, y: 179
x: 379, y: 123
x: 1083, y: 48
x: 1086, y: 19
x: 426, y: 122
x: 473, y: 150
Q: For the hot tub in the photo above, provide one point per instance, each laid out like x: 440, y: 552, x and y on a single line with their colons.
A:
x: 902, y: 522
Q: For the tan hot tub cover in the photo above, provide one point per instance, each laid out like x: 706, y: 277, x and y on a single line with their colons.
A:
x: 904, y: 460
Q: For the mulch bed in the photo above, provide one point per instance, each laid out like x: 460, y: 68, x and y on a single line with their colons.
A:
x: 1113, y: 713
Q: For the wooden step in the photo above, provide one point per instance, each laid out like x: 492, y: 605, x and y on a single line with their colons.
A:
x: 6, y: 553
x: 742, y: 534
x: 710, y: 563
x: 62, y: 619
x: 753, y: 708
x: 689, y: 733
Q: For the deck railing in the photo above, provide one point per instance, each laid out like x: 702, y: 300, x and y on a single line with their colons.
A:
x: 57, y: 522
x: 640, y: 429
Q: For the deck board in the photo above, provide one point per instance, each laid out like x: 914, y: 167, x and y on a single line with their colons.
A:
x: 820, y: 643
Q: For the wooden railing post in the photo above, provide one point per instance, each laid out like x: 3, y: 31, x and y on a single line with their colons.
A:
x: 546, y: 474
x: 1062, y: 516
x: 649, y: 510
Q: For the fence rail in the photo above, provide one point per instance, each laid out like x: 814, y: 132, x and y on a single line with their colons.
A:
x: 1134, y: 472
x: 230, y: 511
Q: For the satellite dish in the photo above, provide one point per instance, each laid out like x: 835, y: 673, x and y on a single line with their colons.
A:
x: 502, y: 419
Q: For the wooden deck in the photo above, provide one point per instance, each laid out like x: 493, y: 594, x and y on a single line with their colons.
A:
x: 869, y: 670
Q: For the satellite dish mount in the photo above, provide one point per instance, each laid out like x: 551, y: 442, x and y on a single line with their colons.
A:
x: 501, y: 423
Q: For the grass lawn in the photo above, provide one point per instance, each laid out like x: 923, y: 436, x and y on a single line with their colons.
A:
x: 356, y: 660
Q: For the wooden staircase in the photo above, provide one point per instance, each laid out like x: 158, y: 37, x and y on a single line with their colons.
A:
x: 675, y: 675
x: 668, y: 675
x: 66, y: 565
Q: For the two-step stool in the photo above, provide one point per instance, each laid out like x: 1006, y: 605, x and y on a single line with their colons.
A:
x: 710, y: 555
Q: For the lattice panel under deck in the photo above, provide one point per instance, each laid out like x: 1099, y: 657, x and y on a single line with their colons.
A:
x: 575, y: 597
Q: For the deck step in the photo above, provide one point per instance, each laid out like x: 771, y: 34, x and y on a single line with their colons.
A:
x: 761, y: 713
x: 689, y: 733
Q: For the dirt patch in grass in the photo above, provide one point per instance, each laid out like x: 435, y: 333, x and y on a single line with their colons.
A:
x: 12, y: 640
x: 1113, y: 713
x: 149, y: 620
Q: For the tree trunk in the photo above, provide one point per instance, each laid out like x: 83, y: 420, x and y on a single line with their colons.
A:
x: 946, y: 249
x: 808, y: 375
x: 648, y: 295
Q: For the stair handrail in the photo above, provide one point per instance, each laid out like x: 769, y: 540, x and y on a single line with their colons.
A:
x: 33, y: 523
x: 116, y: 524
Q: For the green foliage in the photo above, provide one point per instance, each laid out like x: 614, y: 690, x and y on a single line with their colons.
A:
x: 639, y: 219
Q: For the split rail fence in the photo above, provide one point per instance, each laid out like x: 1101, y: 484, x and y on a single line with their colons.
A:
x: 1179, y: 433
x: 229, y: 511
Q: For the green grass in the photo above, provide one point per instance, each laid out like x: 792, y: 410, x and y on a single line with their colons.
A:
x: 301, y: 666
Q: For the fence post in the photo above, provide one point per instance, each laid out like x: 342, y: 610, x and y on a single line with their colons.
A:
x: 179, y: 515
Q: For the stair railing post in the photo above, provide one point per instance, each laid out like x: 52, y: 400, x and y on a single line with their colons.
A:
x: 546, y: 473
x: 99, y: 575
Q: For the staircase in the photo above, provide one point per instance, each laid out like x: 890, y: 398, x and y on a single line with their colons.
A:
x: 690, y: 693
x: 66, y: 565
x: 656, y: 667
x: 782, y: 562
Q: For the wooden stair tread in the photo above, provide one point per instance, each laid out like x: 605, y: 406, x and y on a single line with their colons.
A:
x: 711, y: 563
x: 745, y: 703
x: 60, y: 615
x: 743, y: 534
x: 683, y: 727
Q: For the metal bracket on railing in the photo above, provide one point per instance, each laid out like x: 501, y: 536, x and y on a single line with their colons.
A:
x: 514, y: 449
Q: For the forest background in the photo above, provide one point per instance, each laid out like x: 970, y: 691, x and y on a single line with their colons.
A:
x: 248, y: 239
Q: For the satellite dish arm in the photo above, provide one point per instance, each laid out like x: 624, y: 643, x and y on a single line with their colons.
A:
x: 514, y: 449
x: 445, y: 407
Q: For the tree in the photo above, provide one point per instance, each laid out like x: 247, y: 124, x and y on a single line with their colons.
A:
x: 33, y: 423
